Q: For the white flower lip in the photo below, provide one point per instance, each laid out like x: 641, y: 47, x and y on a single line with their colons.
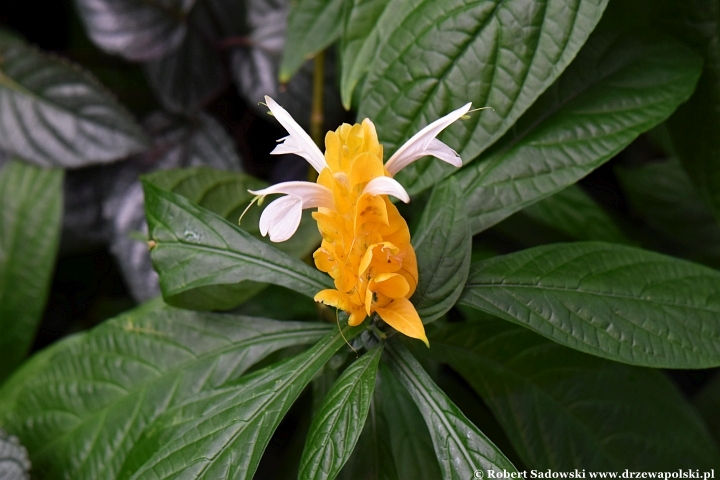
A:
x: 281, y: 217
x: 387, y: 186
x: 424, y: 143
x: 298, y: 141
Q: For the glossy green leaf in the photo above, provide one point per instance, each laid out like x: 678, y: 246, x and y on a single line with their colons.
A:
x: 226, y: 193
x: 575, y: 214
x: 14, y: 462
x: 410, y: 442
x: 32, y: 203
x: 135, y: 29
x: 84, y: 404
x: 461, y: 449
x: 617, y: 87
x: 338, y: 424
x: 223, y: 432
x: 193, y: 247
x: 52, y: 113
x: 563, y: 409
x: 618, y: 302
x: 368, y: 24
x: 443, y: 245
x: 665, y: 197
x: 312, y: 26
x: 441, y: 55
x: 695, y: 124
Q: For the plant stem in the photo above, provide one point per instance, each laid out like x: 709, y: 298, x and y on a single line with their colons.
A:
x: 316, y: 116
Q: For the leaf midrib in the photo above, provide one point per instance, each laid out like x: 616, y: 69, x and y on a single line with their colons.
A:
x: 431, y: 402
x: 590, y: 292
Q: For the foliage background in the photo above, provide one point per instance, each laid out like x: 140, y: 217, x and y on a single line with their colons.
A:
x: 643, y: 182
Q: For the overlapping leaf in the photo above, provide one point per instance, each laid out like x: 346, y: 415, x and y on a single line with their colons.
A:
x: 564, y: 410
x: 191, y: 75
x: 440, y: 55
x: 460, y: 447
x: 665, y: 197
x: 694, y: 125
x: 575, y: 214
x: 410, y: 444
x: 84, y: 404
x: 338, y: 424
x: 31, y: 200
x: 193, y: 247
x: 617, y: 88
x: 223, y: 432
x: 54, y: 114
x: 227, y: 195
x: 613, y: 301
x: 135, y: 29
x: 442, y: 242
x: 312, y: 26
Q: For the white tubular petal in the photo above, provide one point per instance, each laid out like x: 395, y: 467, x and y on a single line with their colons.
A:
x: 387, y: 186
x: 438, y: 149
x: 310, y: 194
x: 298, y: 142
x: 424, y: 143
x: 281, y: 218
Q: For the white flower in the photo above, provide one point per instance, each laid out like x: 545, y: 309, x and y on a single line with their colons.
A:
x: 298, y: 142
x: 281, y: 217
x: 424, y: 143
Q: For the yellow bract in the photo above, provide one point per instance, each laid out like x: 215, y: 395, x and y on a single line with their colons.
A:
x: 366, y: 243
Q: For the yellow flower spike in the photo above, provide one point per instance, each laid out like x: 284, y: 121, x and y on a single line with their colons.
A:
x: 366, y: 243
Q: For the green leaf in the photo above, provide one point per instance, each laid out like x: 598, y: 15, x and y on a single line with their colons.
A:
x: 460, y: 447
x: 281, y: 304
x: 500, y: 53
x: 226, y: 193
x: 443, y: 245
x: 563, y: 410
x: 694, y: 126
x: 368, y: 24
x: 613, y: 301
x: 337, y: 427
x: 223, y: 432
x: 83, y: 404
x: 193, y: 247
x: 370, y: 460
x: 135, y: 29
x: 665, y: 197
x: 410, y: 442
x: 574, y: 213
x: 55, y: 114
x: 618, y: 87
x: 14, y: 462
x: 312, y: 26
x: 32, y: 202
